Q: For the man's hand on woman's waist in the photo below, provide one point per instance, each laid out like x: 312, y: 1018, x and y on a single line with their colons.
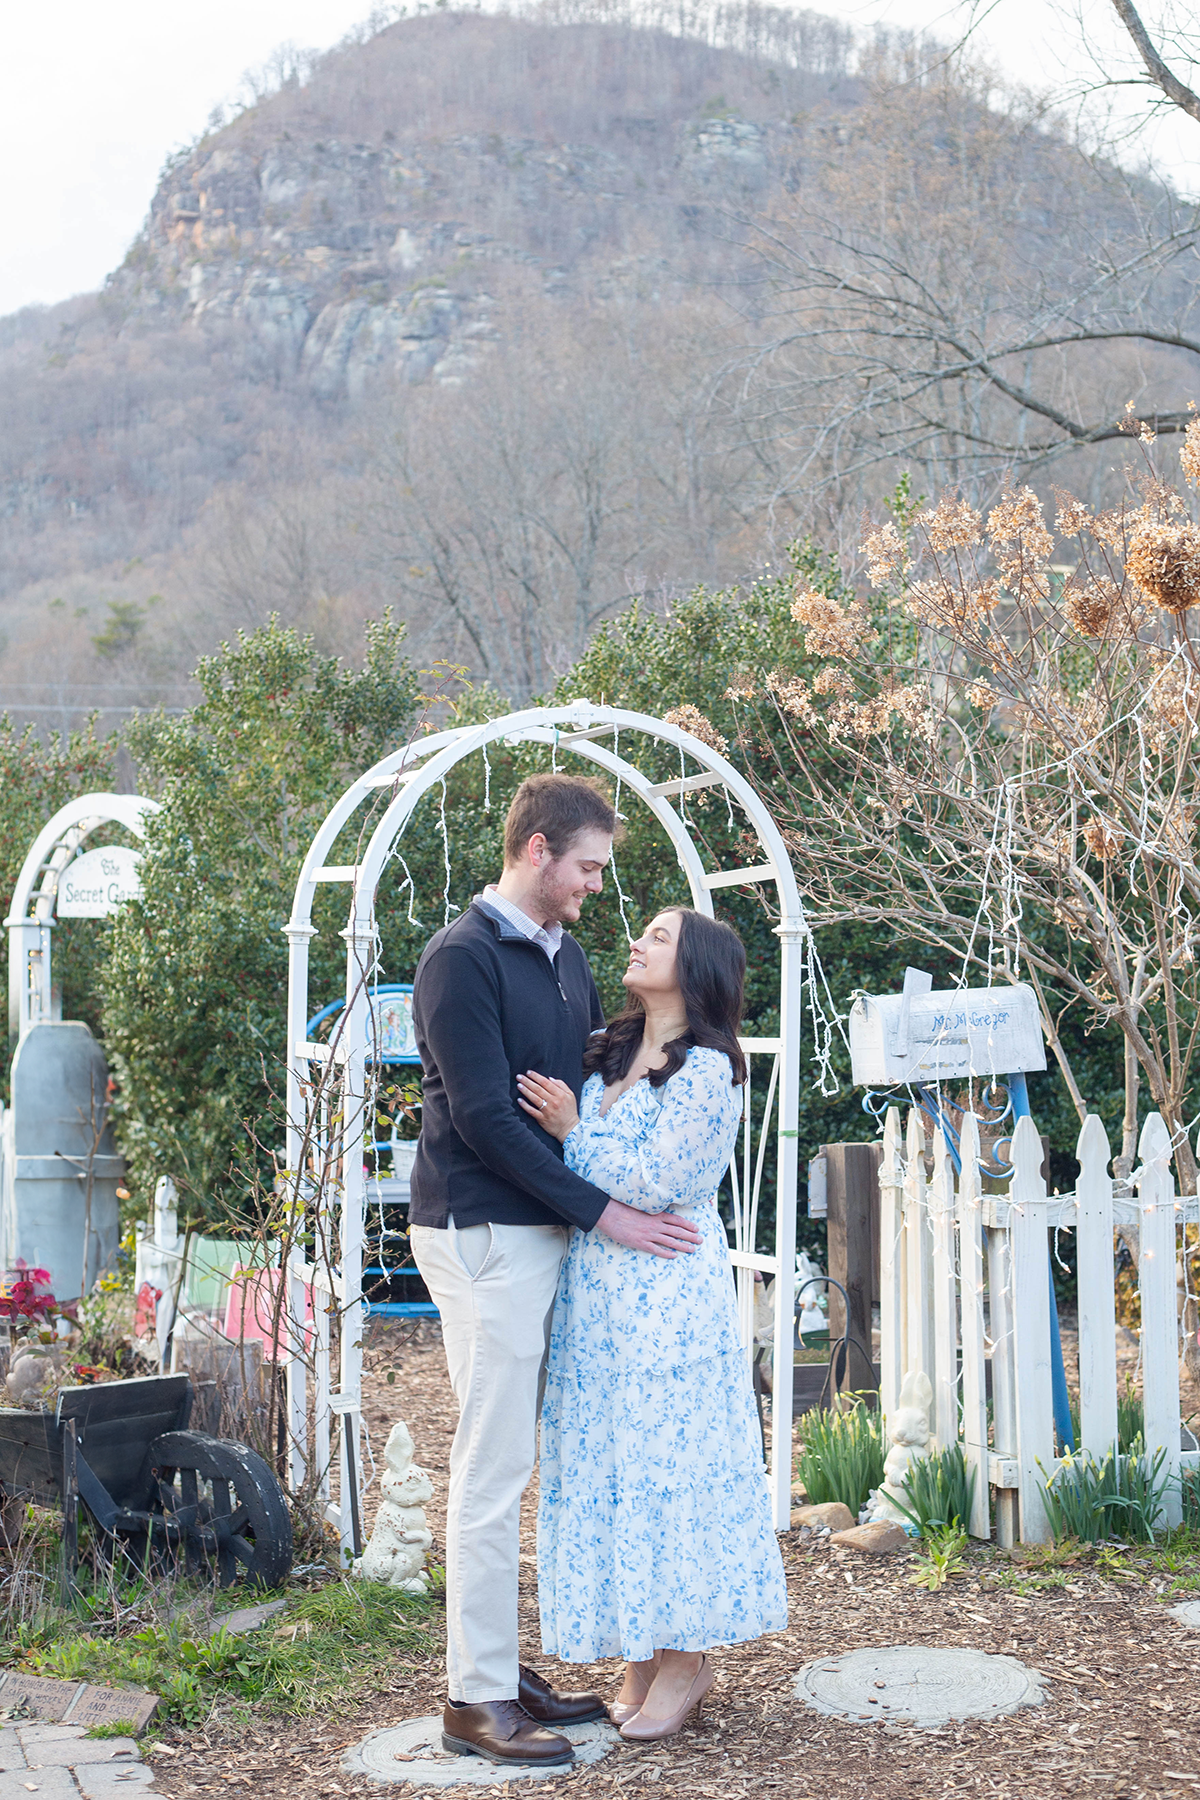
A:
x: 662, y: 1234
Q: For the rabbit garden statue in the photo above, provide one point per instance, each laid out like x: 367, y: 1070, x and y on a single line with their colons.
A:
x: 396, y: 1552
x: 910, y: 1434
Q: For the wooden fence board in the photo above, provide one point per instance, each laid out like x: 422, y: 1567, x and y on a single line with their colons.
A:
x: 1031, y: 1330
x: 1160, y: 1325
x: 918, y: 1283
x: 1097, y: 1293
x: 945, y: 1295
x: 974, y: 1366
x: 891, y: 1267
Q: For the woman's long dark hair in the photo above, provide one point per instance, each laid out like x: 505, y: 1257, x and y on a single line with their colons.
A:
x: 710, y: 965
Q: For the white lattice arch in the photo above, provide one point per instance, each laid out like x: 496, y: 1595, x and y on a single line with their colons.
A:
x: 31, y: 919
x: 408, y: 775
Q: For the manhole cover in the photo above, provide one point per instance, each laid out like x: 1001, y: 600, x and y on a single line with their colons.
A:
x: 917, y: 1684
x: 1188, y: 1613
x: 413, y: 1752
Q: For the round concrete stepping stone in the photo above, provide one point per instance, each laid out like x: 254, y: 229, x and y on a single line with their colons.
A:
x: 917, y: 1684
x: 1188, y: 1613
x: 412, y: 1752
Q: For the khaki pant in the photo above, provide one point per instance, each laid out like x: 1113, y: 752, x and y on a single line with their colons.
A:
x: 494, y: 1286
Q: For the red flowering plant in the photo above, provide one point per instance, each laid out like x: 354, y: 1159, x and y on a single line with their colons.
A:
x: 27, y: 1302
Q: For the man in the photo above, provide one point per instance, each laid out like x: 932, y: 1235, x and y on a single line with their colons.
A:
x: 502, y: 990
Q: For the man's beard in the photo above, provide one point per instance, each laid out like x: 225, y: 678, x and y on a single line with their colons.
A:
x: 549, y: 900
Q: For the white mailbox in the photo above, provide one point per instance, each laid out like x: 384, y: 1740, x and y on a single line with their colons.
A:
x: 949, y: 1035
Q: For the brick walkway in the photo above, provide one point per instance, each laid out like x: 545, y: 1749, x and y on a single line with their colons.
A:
x: 59, y: 1762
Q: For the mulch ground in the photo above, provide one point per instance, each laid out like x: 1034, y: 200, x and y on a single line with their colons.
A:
x: 1121, y: 1677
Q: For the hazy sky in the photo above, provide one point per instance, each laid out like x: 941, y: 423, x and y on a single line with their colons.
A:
x: 93, y: 98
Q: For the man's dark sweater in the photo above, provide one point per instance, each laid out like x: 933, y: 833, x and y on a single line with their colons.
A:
x: 488, y: 1004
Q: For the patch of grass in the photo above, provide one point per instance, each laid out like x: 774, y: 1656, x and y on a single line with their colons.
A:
x: 332, y: 1644
x: 1177, y: 1559
x: 842, y: 1456
x: 115, y: 1728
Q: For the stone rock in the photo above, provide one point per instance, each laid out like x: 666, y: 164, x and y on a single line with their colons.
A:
x: 830, y: 1513
x: 400, y: 1538
x: 878, y: 1538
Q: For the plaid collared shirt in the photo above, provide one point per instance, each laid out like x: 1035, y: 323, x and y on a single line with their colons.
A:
x: 547, y: 937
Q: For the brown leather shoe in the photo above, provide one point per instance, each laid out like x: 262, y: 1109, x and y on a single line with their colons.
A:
x: 548, y: 1708
x: 502, y: 1731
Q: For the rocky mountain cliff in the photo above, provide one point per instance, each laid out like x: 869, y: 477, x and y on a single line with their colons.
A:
x: 375, y: 249
x: 492, y: 319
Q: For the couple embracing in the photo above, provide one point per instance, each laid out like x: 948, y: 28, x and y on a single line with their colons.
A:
x: 563, y: 1218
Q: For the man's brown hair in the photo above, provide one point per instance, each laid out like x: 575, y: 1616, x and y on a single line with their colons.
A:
x: 560, y: 807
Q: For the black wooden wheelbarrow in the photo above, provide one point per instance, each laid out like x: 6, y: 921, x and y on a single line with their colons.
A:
x: 154, y: 1489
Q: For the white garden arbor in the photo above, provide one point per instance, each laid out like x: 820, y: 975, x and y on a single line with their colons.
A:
x: 34, y: 904
x: 405, y: 778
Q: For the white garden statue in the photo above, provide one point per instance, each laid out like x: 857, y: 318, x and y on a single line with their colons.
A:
x: 396, y: 1552
x: 910, y: 1434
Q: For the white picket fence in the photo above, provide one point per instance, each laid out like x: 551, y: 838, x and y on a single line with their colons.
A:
x: 964, y: 1281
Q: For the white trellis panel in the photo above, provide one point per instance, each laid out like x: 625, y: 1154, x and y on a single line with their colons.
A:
x: 1098, y: 1315
x: 1160, y: 1327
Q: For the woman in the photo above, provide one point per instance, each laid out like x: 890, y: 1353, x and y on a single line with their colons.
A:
x: 655, y: 1538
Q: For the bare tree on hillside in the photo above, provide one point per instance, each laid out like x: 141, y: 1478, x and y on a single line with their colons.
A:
x: 956, y: 314
x: 563, y: 477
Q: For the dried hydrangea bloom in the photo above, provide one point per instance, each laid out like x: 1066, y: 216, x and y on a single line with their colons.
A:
x: 742, y: 687
x: 833, y: 681
x: 872, y: 718
x: 829, y: 628
x: 792, y: 696
x: 1101, y: 839
x: 1073, y: 518
x: 951, y: 606
x: 1164, y: 560
x: 690, y: 719
x: 981, y: 695
x: 1017, y: 519
x: 1092, y: 606
x: 887, y: 557
x: 1189, y: 455
x: 912, y: 705
x: 952, y: 524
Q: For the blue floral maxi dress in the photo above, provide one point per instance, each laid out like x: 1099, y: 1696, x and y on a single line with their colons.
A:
x: 654, y: 1522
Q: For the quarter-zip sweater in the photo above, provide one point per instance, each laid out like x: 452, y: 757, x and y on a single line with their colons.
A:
x: 488, y: 1004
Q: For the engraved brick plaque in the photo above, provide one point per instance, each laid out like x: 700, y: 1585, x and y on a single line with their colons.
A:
x: 113, y: 1706
x: 39, y: 1695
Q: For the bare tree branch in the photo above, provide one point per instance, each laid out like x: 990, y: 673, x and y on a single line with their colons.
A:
x: 1176, y: 91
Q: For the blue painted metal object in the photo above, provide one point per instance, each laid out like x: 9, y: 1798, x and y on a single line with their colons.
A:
x: 391, y: 1014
